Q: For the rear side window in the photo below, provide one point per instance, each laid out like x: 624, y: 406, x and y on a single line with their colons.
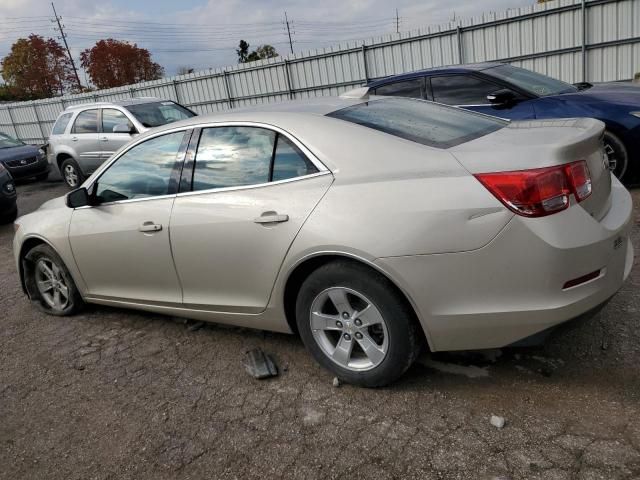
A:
x: 61, y: 124
x: 409, y: 88
x: 420, y: 121
x: 289, y: 161
x: 86, y: 122
x: 461, y: 90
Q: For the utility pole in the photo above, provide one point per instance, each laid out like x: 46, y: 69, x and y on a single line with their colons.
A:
x: 397, y: 22
x: 64, y: 39
x: 286, y: 19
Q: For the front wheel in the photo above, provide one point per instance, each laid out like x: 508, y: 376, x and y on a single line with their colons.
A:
x: 617, y: 155
x: 71, y: 173
x: 355, y: 324
x: 49, y: 283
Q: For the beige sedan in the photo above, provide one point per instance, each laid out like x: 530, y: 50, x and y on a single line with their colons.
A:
x: 370, y: 226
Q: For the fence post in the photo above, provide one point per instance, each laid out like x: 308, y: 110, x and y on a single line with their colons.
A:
x: 364, y: 63
x: 460, y: 47
x: 584, y: 41
x: 13, y: 124
x: 176, y: 91
x: 288, y: 75
x: 132, y: 92
x: 228, y: 90
x: 34, y: 105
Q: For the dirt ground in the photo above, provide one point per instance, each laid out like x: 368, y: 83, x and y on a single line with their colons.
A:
x: 118, y: 394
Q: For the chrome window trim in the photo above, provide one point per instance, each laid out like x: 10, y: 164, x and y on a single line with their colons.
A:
x: 322, y: 169
x: 254, y: 185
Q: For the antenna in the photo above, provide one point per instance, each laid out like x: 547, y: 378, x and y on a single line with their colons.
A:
x: 286, y: 19
x: 64, y: 39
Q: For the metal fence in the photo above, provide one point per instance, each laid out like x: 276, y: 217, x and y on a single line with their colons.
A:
x: 574, y: 40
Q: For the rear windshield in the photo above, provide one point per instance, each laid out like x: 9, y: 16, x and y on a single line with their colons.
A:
x: 159, y: 113
x: 420, y: 121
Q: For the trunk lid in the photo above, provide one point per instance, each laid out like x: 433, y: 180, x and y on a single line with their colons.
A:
x: 544, y: 143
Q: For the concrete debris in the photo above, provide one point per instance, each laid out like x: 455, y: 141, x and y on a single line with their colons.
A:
x: 497, y: 421
x: 259, y: 364
x: 336, y: 382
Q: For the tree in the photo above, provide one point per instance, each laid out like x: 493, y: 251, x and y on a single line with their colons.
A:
x: 242, y: 51
x: 260, y: 53
x: 37, y: 68
x: 112, y: 63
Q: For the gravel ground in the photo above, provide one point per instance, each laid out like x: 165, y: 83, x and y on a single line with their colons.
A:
x: 120, y: 394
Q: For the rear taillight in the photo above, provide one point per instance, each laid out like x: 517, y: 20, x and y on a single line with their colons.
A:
x: 540, y: 191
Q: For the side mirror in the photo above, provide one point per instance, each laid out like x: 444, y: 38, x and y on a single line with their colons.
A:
x: 502, y: 98
x: 124, y: 128
x: 78, y: 198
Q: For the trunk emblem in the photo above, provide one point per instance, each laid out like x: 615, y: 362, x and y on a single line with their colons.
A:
x: 617, y: 243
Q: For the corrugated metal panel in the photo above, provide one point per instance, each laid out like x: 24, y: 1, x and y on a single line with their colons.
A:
x: 544, y: 37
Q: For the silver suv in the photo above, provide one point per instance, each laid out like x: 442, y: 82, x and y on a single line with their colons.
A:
x: 86, y: 135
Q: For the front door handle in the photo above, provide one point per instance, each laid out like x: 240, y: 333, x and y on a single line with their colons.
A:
x: 104, y: 139
x: 271, y: 217
x: 150, y: 227
x: 74, y: 139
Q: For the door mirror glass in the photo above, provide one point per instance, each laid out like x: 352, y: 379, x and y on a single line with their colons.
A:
x: 124, y: 128
x: 78, y: 198
x: 502, y: 97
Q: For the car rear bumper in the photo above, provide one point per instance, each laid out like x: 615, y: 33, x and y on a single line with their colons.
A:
x: 514, y: 287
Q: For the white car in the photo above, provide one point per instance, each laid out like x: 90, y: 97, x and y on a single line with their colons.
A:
x: 367, y: 225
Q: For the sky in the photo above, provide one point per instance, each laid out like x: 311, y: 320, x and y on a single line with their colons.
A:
x: 204, y: 34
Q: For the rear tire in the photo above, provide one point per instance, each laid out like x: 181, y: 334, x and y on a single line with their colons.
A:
x: 71, y: 173
x: 618, y: 156
x: 356, y: 325
x: 49, y: 283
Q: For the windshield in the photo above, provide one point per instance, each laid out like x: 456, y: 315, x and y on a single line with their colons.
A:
x: 420, y: 121
x: 532, y: 82
x: 7, y: 142
x: 159, y: 113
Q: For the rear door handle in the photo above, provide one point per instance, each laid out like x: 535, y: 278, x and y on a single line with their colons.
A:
x: 271, y: 217
x: 150, y: 227
x: 74, y: 139
x: 104, y: 139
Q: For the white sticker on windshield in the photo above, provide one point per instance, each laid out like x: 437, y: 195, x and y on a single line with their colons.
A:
x: 167, y: 103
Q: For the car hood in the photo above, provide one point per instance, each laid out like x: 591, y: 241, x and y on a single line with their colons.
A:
x: 58, y: 202
x: 621, y: 93
x: 17, y: 153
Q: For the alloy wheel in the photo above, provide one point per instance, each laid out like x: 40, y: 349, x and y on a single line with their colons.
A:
x: 51, y: 284
x: 617, y: 163
x: 349, y: 329
x: 71, y: 176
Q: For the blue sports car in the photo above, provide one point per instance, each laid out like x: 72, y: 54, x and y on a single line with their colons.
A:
x: 515, y: 93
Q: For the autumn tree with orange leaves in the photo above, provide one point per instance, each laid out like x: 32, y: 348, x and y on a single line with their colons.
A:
x: 37, y: 68
x: 112, y: 63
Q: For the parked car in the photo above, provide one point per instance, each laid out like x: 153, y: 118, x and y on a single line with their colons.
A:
x: 8, y: 207
x: 364, y: 224
x: 22, y: 160
x: 516, y: 93
x: 86, y: 135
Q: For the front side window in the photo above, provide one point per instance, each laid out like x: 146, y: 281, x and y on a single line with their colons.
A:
x: 461, y: 90
x: 420, y: 121
x: 146, y: 170
x: 61, y: 124
x: 111, y: 118
x: 154, y: 114
x: 408, y: 88
x: 86, y: 122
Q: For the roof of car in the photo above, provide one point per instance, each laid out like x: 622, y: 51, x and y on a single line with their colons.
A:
x: 469, y: 67
x: 121, y: 103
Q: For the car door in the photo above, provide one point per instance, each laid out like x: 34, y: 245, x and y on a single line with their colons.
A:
x: 85, y: 141
x: 470, y: 92
x: 251, y: 191
x: 111, y: 141
x: 121, y: 245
